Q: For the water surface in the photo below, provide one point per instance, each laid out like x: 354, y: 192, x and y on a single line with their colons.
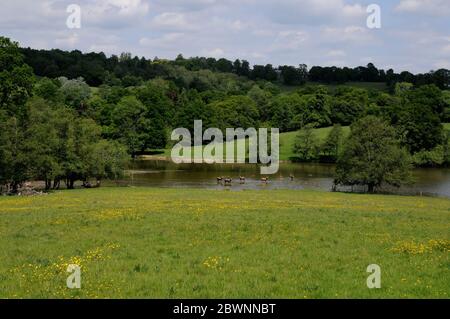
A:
x: 159, y: 173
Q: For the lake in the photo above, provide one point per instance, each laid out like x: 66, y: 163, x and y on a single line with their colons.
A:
x: 161, y: 173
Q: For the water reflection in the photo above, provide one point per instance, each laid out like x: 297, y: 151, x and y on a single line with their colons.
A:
x: 305, y: 176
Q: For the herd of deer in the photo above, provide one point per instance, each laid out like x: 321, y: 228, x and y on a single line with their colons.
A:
x: 227, y: 181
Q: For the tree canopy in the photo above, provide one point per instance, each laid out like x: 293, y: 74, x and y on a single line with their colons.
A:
x: 372, y: 156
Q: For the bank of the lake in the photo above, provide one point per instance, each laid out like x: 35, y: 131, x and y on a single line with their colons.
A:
x: 317, y: 176
x: 181, y: 243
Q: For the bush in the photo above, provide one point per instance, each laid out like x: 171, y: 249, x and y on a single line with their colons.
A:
x: 433, y: 158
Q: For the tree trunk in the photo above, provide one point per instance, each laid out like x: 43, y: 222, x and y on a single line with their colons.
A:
x: 370, y: 188
x: 14, y: 187
x: 56, y: 183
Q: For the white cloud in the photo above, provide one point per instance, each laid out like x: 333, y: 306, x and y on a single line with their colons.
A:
x: 310, y: 11
x: 290, y: 40
x: 347, y: 34
x: 442, y: 64
x: 435, y: 7
x: 215, y: 53
x: 166, y: 40
x: 119, y: 7
x: 338, y: 63
x: 69, y: 41
x: 336, y: 53
x: 355, y: 10
x: 171, y: 20
x: 446, y: 49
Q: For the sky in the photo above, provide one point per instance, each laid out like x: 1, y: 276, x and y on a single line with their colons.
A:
x: 414, y: 34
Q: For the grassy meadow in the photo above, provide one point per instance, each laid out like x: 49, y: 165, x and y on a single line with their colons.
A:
x: 287, y: 141
x: 187, y: 243
x: 376, y: 86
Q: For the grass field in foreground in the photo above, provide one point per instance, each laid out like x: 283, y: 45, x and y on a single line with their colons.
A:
x: 180, y: 243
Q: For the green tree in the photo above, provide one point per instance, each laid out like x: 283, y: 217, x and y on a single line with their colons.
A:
x: 348, y: 105
x: 48, y: 89
x: 372, y: 156
x: 42, y: 144
x: 306, y: 146
x: 16, y: 79
x: 314, y: 106
x: 16, y: 85
x: 446, y: 113
x: 130, y: 125
x: 80, y: 152
x: 262, y: 99
x: 191, y: 107
x: 235, y: 111
x: 106, y: 160
x: 419, y: 125
x: 447, y: 149
x: 333, y: 142
x: 13, y: 160
x: 75, y: 93
x: 282, y: 109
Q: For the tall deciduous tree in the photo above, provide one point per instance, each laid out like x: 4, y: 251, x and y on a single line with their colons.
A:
x: 372, y: 156
x: 16, y: 79
x: 16, y: 85
x: 333, y: 142
x: 306, y: 145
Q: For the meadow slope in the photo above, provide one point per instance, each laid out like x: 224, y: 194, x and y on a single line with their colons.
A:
x: 287, y: 141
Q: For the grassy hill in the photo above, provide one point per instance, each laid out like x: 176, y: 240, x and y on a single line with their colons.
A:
x: 187, y: 243
x: 287, y: 141
x: 377, y: 86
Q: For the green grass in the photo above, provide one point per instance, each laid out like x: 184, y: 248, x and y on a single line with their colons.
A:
x: 378, y: 86
x: 287, y: 141
x: 185, y: 243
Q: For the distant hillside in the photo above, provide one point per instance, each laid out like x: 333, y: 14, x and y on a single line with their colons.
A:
x: 98, y: 69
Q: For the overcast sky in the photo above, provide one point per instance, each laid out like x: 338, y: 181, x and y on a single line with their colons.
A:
x: 414, y: 36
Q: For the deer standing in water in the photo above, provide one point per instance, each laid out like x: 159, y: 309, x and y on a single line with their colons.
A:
x: 227, y: 181
x: 265, y: 180
x: 242, y: 179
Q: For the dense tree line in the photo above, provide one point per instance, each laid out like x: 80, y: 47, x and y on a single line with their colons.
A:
x: 97, y: 69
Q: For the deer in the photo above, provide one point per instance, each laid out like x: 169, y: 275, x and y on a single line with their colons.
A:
x: 265, y: 180
x: 242, y: 179
x: 227, y: 181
